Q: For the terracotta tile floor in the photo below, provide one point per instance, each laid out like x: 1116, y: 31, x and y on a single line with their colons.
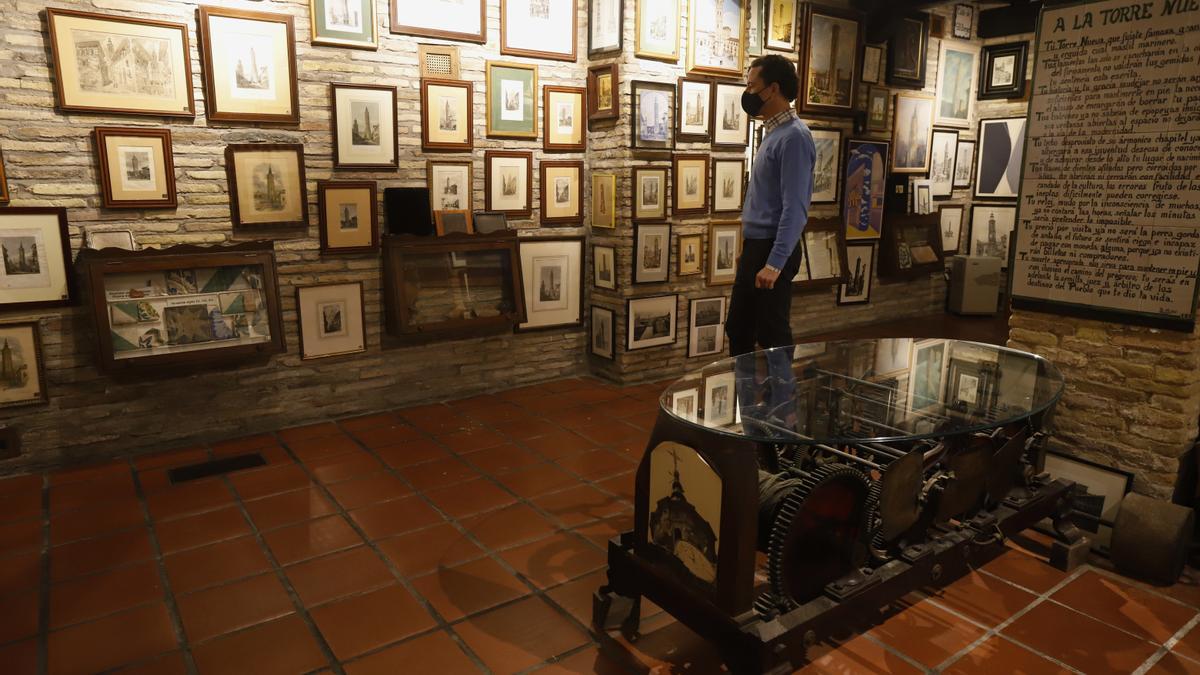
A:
x: 465, y: 538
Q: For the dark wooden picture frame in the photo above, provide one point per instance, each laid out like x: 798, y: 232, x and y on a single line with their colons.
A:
x: 915, y: 25
x: 579, y: 241
x: 675, y: 183
x: 802, y: 101
x: 710, y: 259
x: 662, y: 197
x: 395, y: 27
x: 63, y: 249
x: 1016, y: 89
x: 613, y: 111
x: 439, y: 146
x: 334, y: 88
x: 487, y: 181
x: 3, y: 180
x: 735, y: 97
x: 212, y: 100
x: 441, y: 218
x: 680, y: 107
x: 638, y: 274
x: 169, y: 200
x: 580, y: 121
x: 713, y: 187
x: 611, y: 284
x: 38, y: 367
x: 593, y: 51
x: 362, y: 299
x: 660, y: 147
x: 280, y: 229
x: 322, y: 188
x: 509, y: 50
x: 546, y: 219
x: 843, y: 288
x: 612, y: 333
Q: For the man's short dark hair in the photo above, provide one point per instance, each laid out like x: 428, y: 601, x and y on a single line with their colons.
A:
x: 775, y: 69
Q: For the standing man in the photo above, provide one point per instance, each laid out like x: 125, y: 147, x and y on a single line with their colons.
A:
x: 775, y: 212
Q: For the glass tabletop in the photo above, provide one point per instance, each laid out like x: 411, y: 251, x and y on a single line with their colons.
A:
x: 886, y: 390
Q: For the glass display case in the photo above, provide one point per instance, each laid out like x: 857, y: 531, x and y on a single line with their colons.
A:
x: 183, y: 305
x: 911, y: 247
x: 455, y: 286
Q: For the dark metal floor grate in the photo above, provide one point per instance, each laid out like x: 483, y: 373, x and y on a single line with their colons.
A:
x: 215, y: 467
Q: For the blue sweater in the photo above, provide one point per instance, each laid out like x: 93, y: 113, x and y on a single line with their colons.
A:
x: 780, y: 189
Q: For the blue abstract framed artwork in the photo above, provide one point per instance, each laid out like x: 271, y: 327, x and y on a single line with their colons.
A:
x: 863, y: 191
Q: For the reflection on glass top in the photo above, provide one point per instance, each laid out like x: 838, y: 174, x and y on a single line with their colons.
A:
x: 865, y: 390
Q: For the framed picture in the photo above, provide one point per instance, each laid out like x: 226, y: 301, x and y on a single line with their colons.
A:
x: 37, y: 252
x: 957, y: 64
x: 828, y: 143
x: 344, y: 23
x: 706, y: 326
x: 781, y: 25
x: 911, y: 248
x: 564, y: 109
x: 685, y: 403
x: 829, y: 55
x: 691, y: 255
x: 755, y: 26
x: 604, y: 267
x: 267, y: 189
x: 508, y: 182
x: 970, y: 386
x: 1002, y: 71
x: 656, y: 30
x: 690, y: 178
x: 552, y: 275
x: 486, y: 222
x: 893, y: 356
x: 907, y: 51
x: 604, y: 332
x: 649, y: 193
x: 724, y: 249
x: 877, y: 108
x: 462, y: 20
x: 729, y: 178
x: 512, y: 100
x: 604, y: 200
x: 137, y: 168
x: 603, y: 103
x: 249, y: 64
x: 653, y: 108
x: 453, y: 222
x: 159, y: 86
x: 922, y: 197
x: 451, y: 185
x: 651, y: 252
x: 950, y: 218
x: 3, y: 181
x: 872, y: 59
x: 857, y: 289
x: 964, y: 17
x: 562, y: 192
x: 991, y: 228
x: 446, y: 122
x: 716, y: 37
x: 1108, y: 483
x: 364, y: 125
x: 863, y: 192
x: 731, y: 124
x: 1001, y: 148
x: 122, y: 239
x: 943, y: 150
x: 541, y: 29
x: 650, y: 321
x: 964, y: 162
x: 606, y: 20
x: 719, y: 394
x: 694, y: 117
x: 925, y: 375
x: 331, y: 320
x: 825, y: 254
x: 23, y: 380
x: 349, y: 216
x: 911, y: 135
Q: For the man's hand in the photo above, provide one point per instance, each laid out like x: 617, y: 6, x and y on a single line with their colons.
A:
x: 766, y: 278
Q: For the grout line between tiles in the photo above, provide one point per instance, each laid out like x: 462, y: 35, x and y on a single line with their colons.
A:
x: 1167, y: 646
x: 895, y: 652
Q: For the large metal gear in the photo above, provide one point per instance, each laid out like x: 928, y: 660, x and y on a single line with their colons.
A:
x: 821, y: 533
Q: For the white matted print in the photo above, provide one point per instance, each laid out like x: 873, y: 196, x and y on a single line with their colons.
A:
x: 941, y: 162
x: 34, y: 269
x: 538, y: 28
x: 331, y: 320
x: 706, y: 326
x: 651, y: 253
x: 719, y: 399
x: 911, y: 134
x: 991, y: 228
x: 724, y: 247
x: 450, y: 19
x: 950, y: 217
x: 685, y: 403
x: 365, y: 126
x: 729, y: 176
x: 827, y: 169
x: 249, y: 60
x: 650, y: 321
x: 551, y: 272
x: 731, y: 124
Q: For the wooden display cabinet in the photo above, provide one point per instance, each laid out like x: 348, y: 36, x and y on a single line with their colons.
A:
x: 911, y: 247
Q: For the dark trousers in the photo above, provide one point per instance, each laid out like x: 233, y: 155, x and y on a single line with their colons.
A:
x: 760, y: 315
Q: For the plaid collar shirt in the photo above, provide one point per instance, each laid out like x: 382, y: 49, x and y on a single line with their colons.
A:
x: 778, y: 119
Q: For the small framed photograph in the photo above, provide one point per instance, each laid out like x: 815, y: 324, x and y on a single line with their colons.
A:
x: 651, y: 252
x: 267, y: 189
x: 964, y: 17
x: 656, y: 30
x: 828, y: 143
x: 724, y: 249
x: 685, y: 404
x: 160, y: 85
x: 691, y: 255
x: 453, y: 222
x: 349, y: 216
x: 649, y: 193
x: 137, y: 167
x: 486, y: 222
x: 23, y: 379
x: 552, y: 274
x: 446, y: 122
x: 706, y: 326
x: 716, y: 37
x: 941, y: 162
x: 950, y: 218
x: 782, y: 22
x: 562, y: 192
x: 565, y: 128
x: 606, y: 21
x: 922, y: 197
x: 122, y: 239
x: 911, y: 135
x: 964, y: 163
x: 653, y: 110
x: 877, y: 108
x: 957, y: 65
x: 331, y: 320
x: 719, y: 395
x: 3, y: 181
x: 729, y: 179
x: 461, y: 20
x: 602, y: 86
x: 907, y: 49
x: 998, y: 168
x: 604, y: 200
x: 829, y: 54
x: 694, y: 117
x: 512, y: 100
x: 872, y: 58
x: 604, y: 332
x: 650, y: 321
x: 1002, y: 73
x: 364, y: 125
x: 690, y: 178
x: 857, y: 289
x: 865, y: 178
x: 540, y: 29
x: 37, y: 255
x: 604, y: 263
x: 508, y: 182
x: 344, y: 23
x: 249, y: 64
x: 731, y: 124
x: 991, y: 228
x: 451, y: 185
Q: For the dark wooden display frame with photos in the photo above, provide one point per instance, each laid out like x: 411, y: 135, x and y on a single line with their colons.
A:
x: 217, y: 105
x: 907, y: 51
x: 251, y: 217
x: 344, y: 235
x: 911, y: 247
x: 150, y: 166
x: 601, y: 108
x: 810, y: 99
